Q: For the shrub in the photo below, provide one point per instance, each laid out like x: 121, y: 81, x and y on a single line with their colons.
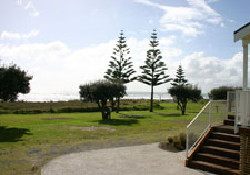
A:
x: 221, y: 92
x: 178, y: 141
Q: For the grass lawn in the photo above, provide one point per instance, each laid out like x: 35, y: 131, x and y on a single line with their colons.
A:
x: 28, y: 141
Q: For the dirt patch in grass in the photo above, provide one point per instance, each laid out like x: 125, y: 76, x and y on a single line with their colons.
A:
x: 93, y: 128
x: 56, y: 118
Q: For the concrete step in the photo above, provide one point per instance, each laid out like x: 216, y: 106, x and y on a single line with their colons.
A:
x: 225, y: 136
x: 230, y: 153
x: 220, y: 160
x: 228, y: 122
x: 224, y: 129
x: 213, y: 168
x: 223, y: 144
x: 231, y: 117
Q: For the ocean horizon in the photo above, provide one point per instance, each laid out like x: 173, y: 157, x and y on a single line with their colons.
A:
x: 65, y: 96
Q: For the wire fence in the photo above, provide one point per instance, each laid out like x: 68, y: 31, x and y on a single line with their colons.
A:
x: 212, y: 114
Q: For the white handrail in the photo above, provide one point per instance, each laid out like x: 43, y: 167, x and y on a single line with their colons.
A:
x: 194, y: 119
x: 204, y: 107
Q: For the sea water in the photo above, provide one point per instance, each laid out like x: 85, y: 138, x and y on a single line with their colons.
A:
x: 65, y: 96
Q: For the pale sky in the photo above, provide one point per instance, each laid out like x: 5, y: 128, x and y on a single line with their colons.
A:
x: 63, y: 44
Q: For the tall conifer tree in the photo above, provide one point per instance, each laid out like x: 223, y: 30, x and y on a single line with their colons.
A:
x: 179, y: 80
x: 182, y: 91
x: 153, y: 71
x: 120, y: 67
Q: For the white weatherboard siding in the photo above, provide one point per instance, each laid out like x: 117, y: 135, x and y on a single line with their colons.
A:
x: 244, y: 34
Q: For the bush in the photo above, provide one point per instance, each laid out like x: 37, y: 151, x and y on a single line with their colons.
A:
x: 221, y: 92
x: 178, y: 142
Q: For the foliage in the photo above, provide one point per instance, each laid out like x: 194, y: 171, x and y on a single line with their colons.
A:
x: 120, y: 67
x: 221, y: 92
x: 100, y: 92
x: 180, y: 79
x: 85, y: 93
x: 153, y: 71
x: 182, y: 91
x: 13, y: 80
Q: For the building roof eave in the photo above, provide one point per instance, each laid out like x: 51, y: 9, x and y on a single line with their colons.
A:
x: 242, y: 33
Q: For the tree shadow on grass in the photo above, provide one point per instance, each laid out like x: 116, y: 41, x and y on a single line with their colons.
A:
x: 169, y: 114
x: 118, y: 122
x: 134, y: 116
x: 12, y: 134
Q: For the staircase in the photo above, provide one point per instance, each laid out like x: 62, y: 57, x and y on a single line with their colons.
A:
x: 219, y: 152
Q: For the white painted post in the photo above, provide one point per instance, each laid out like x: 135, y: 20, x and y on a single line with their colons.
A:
x: 210, y: 122
x: 245, y: 65
x: 237, y: 112
x: 187, y: 144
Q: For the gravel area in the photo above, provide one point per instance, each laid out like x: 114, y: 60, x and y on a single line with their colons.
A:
x: 134, y: 160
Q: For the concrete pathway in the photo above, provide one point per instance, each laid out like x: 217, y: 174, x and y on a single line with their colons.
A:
x: 135, y: 160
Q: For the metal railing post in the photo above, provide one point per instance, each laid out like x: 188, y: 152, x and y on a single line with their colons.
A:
x: 210, y: 123
x: 237, y: 97
x: 187, y: 143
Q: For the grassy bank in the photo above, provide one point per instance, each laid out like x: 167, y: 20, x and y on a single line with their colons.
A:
x: 28, y: 141
x: 24, y: 107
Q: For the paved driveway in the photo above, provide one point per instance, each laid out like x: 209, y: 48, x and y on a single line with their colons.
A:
x: 135, y: 160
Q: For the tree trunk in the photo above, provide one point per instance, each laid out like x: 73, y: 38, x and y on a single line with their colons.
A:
x: 112, y: 103
x: 103, y: 108
x: 103, y: 115
x: 151, y: 100
x: 182, y: 111
x: 98, y: 103
x: 118, y: 105
x: 181, y: 107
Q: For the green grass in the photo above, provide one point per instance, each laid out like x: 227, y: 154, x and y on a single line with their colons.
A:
x: 28, y: 141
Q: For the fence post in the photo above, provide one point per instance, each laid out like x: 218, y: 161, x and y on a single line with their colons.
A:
x: 210, y: 123
x: 236, y: 118
x: 187, y: 141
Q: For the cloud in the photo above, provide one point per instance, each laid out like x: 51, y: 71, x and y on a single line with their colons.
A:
x: 210, y: 1
x: 28, y: 5
x: 56, y: 68
x: 210, y: 72
x: 189, y: 20
x: 11, y: 35
x: 148, y: 2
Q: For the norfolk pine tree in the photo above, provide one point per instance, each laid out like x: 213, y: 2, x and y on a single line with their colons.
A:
x: 120, y: 67
x: 178, y: 89
x: 179, y: 80
x: 182, y: 91
x: 153, y: 71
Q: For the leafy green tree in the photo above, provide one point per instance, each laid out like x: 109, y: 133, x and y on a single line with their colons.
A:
x: 220, y: 93
x: 100, y: 92
x: 85, y: 92
x: 153, y: 71
x: 181, y: 91
x: 13, y: 81
x: 120, y: 67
